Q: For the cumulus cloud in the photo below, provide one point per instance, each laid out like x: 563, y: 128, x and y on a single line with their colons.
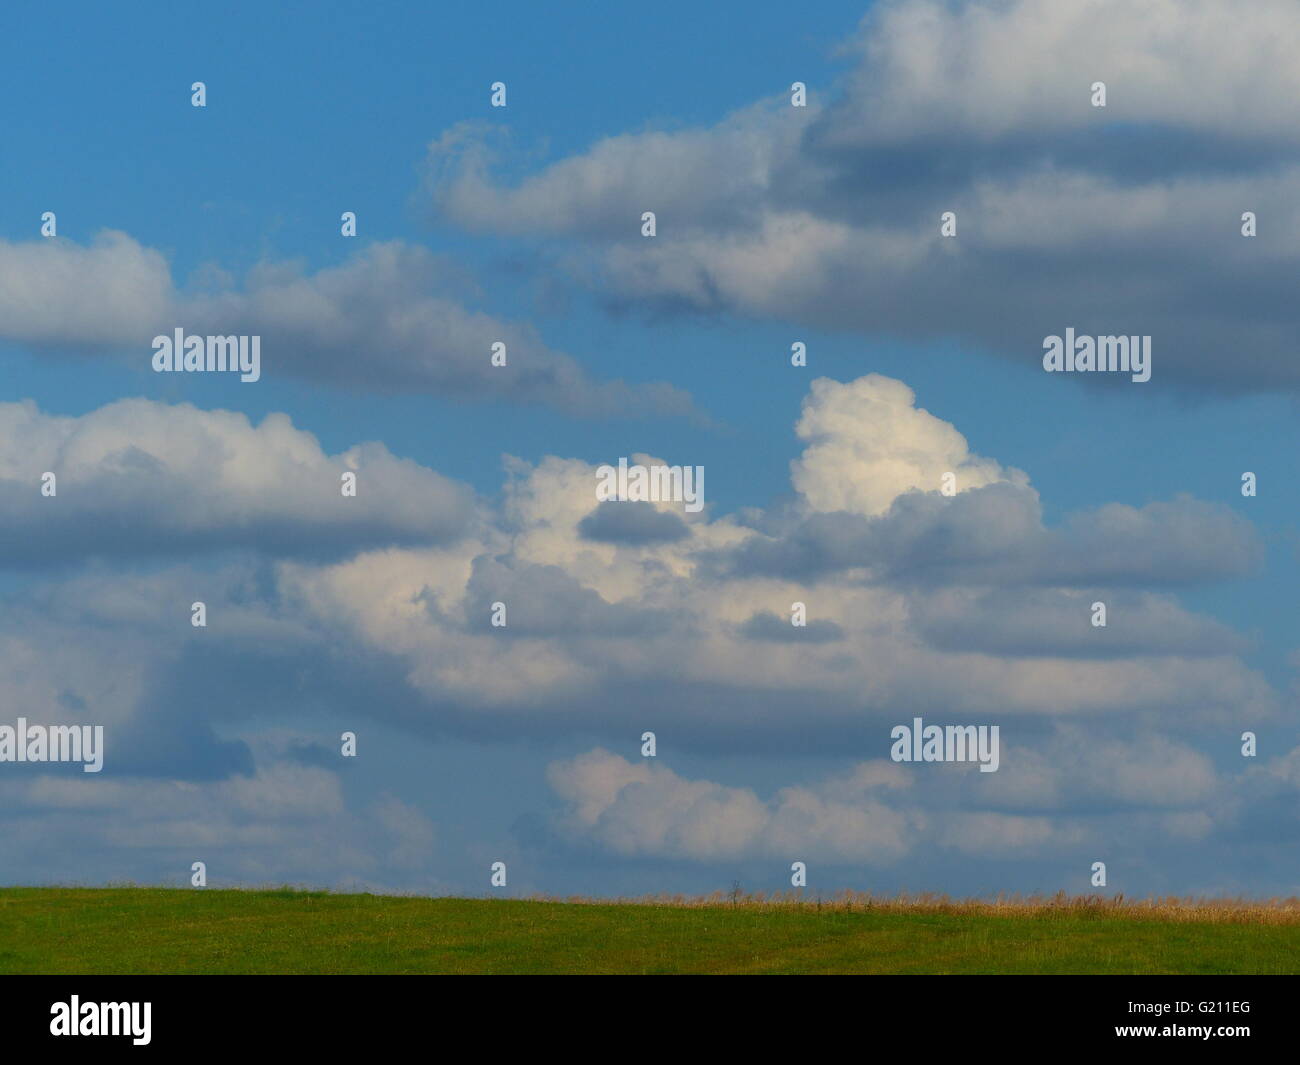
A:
x: 140, y: 478
x: 866, y: 443
x: 644, y: 809
x: 610, y: 634
x: 967, y: 602
x: 1117, y: 742
x: 992, y: 70
x: 889, y: 493
x: 697, y: 630
x: 112, y: 292
x: 996, y: 536
x: 1117, y: 220
x: 869, y: 815
x: 603, y: 635
x: 1070, y: 792
x: 388, y: 319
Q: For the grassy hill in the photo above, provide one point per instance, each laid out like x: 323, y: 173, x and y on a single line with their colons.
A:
x: 161, y: 930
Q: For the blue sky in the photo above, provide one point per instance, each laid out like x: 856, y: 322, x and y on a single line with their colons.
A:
x: 776, y: 225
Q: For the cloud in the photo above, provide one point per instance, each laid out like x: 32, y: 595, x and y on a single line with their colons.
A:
x: 278, y: 824
x: 1117, y: 220
x: 106, y: 294
x: 889, y: 493
x: 996, y: 536
x: 632, y: 522
x: 866, y: 444
x: 386, y: 320
x: 767, y: 626
x: 137, y: 478
x: 547, y: 601
x: 1058, y: 623
x: 862, y: 817
x: 706, y: 176
x: 995, y: 70
x: 609, y: 636
x: 968, y: 603
x: 1072, y: 792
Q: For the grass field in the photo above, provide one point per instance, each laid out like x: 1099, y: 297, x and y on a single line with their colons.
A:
x: 161, y: 930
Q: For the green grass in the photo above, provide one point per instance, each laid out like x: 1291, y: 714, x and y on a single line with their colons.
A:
x: 159, y: 930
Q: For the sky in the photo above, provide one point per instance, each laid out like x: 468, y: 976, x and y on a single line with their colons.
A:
x: 969, y: 602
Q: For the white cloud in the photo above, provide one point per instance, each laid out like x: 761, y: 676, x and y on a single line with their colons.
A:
x: 140, y: 477
x: 866, y: 443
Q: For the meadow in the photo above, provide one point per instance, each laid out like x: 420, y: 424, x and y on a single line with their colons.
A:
x: 131, y: 930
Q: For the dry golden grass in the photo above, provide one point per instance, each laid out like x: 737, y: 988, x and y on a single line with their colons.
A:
x: 1168, y: 908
